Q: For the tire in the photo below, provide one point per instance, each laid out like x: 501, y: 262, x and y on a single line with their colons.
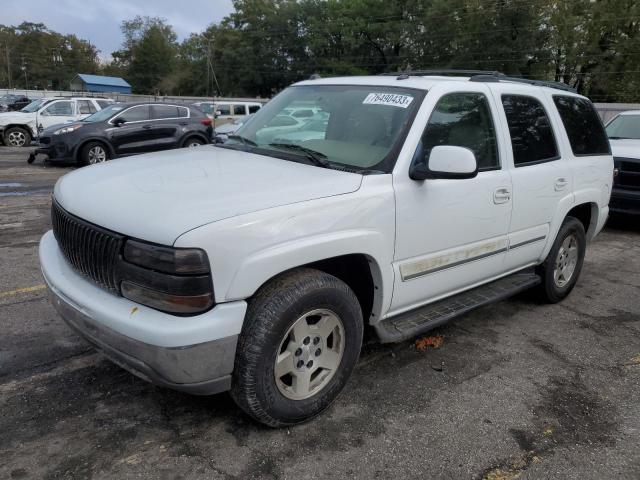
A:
x: 17, y: 137
x: 286, y: 306
x: 569, y: 250
x: 93, y: 153
x: 192, y: 142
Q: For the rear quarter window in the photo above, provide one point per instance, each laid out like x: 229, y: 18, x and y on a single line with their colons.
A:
x: 583, y: 126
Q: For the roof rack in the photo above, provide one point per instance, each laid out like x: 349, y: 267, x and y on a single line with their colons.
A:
x: 483, y: 76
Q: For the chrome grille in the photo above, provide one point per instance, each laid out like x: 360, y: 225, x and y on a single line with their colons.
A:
x: 628, y: 173
x: 91, y: 250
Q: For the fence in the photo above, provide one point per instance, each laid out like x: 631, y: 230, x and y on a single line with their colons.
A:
x: 125, y: 97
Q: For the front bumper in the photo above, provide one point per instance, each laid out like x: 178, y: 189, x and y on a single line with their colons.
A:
x: 191, y: 354
x: 625, y: 201
x: 54, y: 151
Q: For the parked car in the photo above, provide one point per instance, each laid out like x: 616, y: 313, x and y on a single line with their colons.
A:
x: 17, y: 129
x: 624, y: 135
x: 125, y: 129
x: 12, y: 102
x: 255, y: 266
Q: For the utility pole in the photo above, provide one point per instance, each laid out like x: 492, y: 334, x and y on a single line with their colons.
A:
x: 6, y: 47
x: 26, y: 78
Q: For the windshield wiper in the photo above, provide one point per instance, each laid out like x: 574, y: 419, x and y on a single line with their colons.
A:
x: 318, y: 158
x: 242, y: 139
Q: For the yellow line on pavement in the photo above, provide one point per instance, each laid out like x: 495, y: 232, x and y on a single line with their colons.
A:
x: 17, y: 291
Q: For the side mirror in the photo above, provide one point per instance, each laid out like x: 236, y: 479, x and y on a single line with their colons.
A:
x: 119, y: 121
x: 446, y: 162
x: 217, y: 114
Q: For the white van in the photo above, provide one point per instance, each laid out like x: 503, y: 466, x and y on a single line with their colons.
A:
x: 227, y: 111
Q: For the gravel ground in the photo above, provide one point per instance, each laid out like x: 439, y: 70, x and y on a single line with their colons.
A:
x: 516, y: 390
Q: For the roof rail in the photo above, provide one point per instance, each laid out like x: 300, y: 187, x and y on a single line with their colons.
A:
x: 444, y: 72
x: 483, y: 76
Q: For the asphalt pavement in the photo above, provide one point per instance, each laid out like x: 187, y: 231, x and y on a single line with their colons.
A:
x: 518, y: 389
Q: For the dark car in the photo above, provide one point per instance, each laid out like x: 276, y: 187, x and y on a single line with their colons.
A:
x: 11, y: 102
x: 125, y: 129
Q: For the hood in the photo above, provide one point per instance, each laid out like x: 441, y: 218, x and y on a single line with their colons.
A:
x: 627, y: 148
x: 16, y: 117
x: 159, y: 196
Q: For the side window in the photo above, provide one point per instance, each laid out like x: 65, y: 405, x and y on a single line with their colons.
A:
x: 224, y: 109
x: 136, y: 114
x: 104, y: 103
x: 531, y: 133
x: 583, y: 125
x: 85, y: 107
x: 63, y: 108
x: 253, y: 108
x: 183, y: 112
x: 464, y: 120
x: 159, y: 112
x: 239, y: 110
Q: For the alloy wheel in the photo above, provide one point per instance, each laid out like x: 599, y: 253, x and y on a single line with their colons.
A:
x: 566, y: 261
x: 16, y: 139
x: 309, y: 354
x: 97, y: 154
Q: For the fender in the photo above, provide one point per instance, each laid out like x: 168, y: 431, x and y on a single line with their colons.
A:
x: 261, y: 266
x: 564, y: 207
x: 26, y: 126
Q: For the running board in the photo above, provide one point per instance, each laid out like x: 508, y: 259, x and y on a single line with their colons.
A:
x: 415, y: 322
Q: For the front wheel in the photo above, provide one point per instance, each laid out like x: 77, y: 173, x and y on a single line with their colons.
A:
x: 193, y: 142
x: 17, y: 137
x: 93, y: 153
x: 562, y: 267
x: 299, y: 344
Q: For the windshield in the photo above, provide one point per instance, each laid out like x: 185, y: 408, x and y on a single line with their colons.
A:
x: 354, y: 127
x: 624, y: 126
x: 104, y: 114
x: 35, y: 105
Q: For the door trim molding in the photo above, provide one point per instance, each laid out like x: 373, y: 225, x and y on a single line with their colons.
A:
x: 441, y: 261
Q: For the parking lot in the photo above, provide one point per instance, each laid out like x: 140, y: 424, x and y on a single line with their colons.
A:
x: 515, y: 390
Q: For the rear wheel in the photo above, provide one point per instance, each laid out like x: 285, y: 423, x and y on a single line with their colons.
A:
x: 193, y: 142
x: 562, y: 267
x: 93, y: 153
x: 299, y: 344
x: 17, y: 137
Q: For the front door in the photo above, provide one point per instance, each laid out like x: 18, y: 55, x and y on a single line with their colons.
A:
x: 56, y: 112
x: 133, y: 135
x: 452, y: 234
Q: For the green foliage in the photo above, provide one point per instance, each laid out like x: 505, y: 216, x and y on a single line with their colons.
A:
x: 40, y: 58
x: 265, y: 45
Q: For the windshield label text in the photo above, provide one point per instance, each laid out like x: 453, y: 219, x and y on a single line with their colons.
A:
x: 393, y: 99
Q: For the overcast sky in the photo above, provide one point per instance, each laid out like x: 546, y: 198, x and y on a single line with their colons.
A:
x: 99, y: 20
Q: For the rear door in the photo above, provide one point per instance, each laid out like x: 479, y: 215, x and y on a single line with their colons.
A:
x: 133, y: 136
x: 540, y: 171
x: 167, y: 126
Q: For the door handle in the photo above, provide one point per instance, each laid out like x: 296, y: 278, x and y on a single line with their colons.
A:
x: 561, y: 184
x: 501, y: 195
x: 147, y: 127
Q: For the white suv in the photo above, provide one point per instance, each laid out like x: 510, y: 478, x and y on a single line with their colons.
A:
x: 255, y: 267
x: 18, y: 128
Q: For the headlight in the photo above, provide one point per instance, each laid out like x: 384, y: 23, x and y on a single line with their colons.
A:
x: 69, y: 129
x: 173, y: 280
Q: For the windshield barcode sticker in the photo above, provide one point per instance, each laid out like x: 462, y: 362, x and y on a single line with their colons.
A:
x: 393, y: 99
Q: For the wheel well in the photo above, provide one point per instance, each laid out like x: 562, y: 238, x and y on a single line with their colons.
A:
x: 14, y: 125
x: 583, y: 213
x: 95, y: 140
x: 193, y: 135
x: 353, y: 270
